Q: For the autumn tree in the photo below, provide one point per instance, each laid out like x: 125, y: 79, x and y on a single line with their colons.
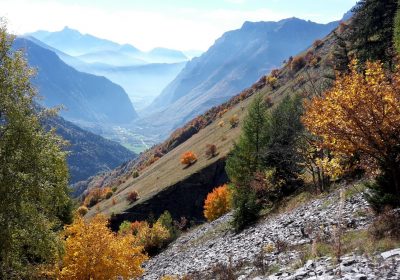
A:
x: 217, y: 203
x: 188, y: 158
x: 152, y: 237
x: 34, y: 196
x: 93, y: 251
x: 360, y: 115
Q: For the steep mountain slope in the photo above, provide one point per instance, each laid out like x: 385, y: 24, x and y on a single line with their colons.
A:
x: 86, y: 98
x: 164, y: 184
x: 89, y: 153
x: 143, y: 75
x: 235, y: 61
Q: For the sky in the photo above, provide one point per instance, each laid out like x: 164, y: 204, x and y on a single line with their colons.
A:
x: 176, y: 24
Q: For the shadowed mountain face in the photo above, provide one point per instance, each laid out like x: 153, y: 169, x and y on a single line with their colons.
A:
x: 235, y: 61
x: 85, y: 97
x: 89, y: 153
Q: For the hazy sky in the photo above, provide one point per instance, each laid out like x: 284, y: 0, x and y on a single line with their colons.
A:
x: 178, y: 24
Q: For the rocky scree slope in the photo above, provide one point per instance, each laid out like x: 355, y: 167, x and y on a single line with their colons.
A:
x: 198, y: 251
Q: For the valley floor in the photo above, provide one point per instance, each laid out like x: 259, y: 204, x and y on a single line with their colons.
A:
x: 279, y: 246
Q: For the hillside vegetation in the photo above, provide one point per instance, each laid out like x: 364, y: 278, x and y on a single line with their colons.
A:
x: 160, y: 167
x: 307, y: 162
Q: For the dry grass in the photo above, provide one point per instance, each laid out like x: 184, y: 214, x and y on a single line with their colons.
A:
x: 168, y: 170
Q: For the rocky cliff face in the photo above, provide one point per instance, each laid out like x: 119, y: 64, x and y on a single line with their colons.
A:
x: 196, y: 253
x: 184, y: 199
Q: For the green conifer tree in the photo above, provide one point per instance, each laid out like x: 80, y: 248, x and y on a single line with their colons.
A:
x: 245, y: 160
x: 372, y: 30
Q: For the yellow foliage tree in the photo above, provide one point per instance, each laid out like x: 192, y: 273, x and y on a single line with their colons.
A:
x: 361, y: 115
x: 151, y: 238
x: 93, y: 251
x: 217, y: 203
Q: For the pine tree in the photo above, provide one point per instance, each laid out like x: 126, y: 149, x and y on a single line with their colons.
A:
x: 372, y: 30
x: 33, y: 172
x: 284, y: 130
x: 245, y: 160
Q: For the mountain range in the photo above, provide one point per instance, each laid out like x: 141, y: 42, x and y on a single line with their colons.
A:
x: 235, y: 61
x: 85, y: 97
x: 143, y: 75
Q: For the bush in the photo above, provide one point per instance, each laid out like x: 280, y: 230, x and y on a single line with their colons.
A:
x: 298, y: 63
x: 386, y: 225
x: 82, y: 210
x: 135, y: 174
x: 108, y: 194
x: 114, y: 189
x: 211, y: 150
x: 217, y: 203
x: 234, y: 121
x: 166, y: 221
x: 188, y: 158
x: 132, y: 196
x: 246, y: 208
x: 125, y: 228
x: 318, y: 43
x: 152, y: 238
x: 96, y: 195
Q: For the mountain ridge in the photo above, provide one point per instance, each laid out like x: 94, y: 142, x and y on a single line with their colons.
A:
x: 236, y: 60
x: 86, y: 97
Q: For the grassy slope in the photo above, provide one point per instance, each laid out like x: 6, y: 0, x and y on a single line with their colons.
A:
x: 168, y: 170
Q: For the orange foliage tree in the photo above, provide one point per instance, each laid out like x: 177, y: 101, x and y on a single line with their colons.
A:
x: 361, y: 115
x: 217, y: 203
x: 96, y: 195
x: 188, y: 158
x: 93, y: 251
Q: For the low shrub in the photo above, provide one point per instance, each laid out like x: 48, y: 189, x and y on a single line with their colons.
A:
x: 317, y: 44
x: 152, y: 238
x: 132, y: 196
x: 188, y: 158
x: 135, y: 174
x: 298, y: 63
x: 96, y: 195
x: 166, y: 221
x: 234, y: 121
x: 386, y: 224
x: 211, y: 150
x: 82, y: 210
